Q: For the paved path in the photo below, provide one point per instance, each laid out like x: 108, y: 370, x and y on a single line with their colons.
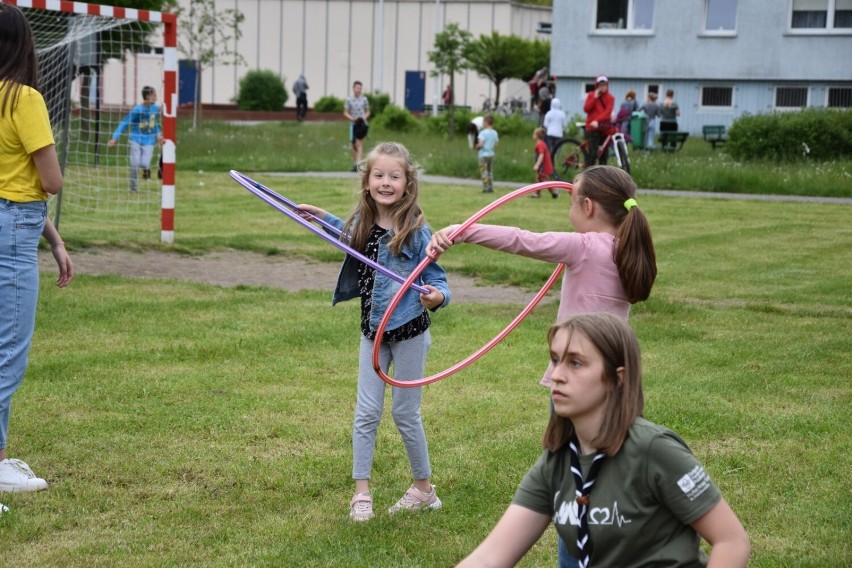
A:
x: 670, y: 192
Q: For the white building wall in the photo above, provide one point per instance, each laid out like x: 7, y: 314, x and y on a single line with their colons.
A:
x: 335, y: 42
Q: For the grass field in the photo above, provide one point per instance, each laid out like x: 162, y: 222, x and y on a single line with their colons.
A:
x: 187, y: 424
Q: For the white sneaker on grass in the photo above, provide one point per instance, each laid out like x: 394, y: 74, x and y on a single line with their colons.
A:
x: 416, y: 500
x: 17, y: 477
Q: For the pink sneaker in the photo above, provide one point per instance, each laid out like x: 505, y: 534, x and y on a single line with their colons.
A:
x: 416, y: 500
x: 361, y: 507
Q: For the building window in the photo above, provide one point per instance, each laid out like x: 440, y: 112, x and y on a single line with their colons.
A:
x: 821, y: 15
x: 791, y: 97
x: 839, y: 97
x: 625, y: 15
x: 717, y: 96
x: 720, y: 16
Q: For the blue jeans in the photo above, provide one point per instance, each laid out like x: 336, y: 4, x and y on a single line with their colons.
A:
x: 409, y: 363
x: 565, y: 558
x: 21, y: 225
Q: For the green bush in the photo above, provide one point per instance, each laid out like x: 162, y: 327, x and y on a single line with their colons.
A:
x: 396, y: 119
x: 513, y: 125
x: 813, y: 133
x: 441, y: 124
x: 378, y: 103
x: 261, y: 90
x: 328, y: 103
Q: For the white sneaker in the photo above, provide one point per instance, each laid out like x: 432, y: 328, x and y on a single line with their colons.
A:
x: 17, y: 477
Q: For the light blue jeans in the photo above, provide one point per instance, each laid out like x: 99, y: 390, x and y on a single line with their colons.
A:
x: 409, y: 363
x: 565, y: 558
x: 21, y: 225
x: 140, y: 157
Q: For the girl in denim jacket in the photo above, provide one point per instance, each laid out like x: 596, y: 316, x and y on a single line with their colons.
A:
x: 388, y: 227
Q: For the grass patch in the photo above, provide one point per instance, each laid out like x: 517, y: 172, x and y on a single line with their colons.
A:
x: 188, y: 424
x: 323, y: 146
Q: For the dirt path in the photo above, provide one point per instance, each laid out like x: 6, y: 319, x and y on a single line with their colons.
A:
x: 232, y: 268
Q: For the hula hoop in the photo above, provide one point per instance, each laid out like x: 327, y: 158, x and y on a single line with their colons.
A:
x: 276, y: 200
x: 429, y: 259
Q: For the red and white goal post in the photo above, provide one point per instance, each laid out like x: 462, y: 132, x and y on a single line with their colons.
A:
x: 93, y: 62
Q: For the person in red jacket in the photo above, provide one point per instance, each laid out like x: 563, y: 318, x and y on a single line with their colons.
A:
x: 598, y: 108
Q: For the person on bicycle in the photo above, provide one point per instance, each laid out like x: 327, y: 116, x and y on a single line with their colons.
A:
x: 598, y: 108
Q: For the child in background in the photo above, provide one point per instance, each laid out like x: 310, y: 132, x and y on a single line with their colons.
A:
x: 486, y: 142
x: 603, y: 460
x: 555, y: 123
x: 144, y: 123
x: 29, y: 171
x: 388, y: 227
x: 652, y: 111
x: 543, y: 166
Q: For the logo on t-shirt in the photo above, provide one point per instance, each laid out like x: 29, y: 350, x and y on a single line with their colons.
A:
x: 568, y: 512
x: 694, y: 483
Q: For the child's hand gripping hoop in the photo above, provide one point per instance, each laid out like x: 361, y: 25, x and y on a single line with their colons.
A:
x: 430, y: 259
x: 290, y: 209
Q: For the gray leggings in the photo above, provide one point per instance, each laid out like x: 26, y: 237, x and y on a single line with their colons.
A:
x: 409, y: 362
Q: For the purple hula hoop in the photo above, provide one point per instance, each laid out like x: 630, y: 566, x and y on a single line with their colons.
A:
x: 279, y: 202
x: 429, y: 259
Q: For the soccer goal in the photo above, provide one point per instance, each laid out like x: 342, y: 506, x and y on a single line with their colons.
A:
x: 94, y: 62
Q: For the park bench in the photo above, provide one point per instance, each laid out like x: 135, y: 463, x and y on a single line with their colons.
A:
x: 445, y: 108
x: 715, y: 134
x: 672, y: 141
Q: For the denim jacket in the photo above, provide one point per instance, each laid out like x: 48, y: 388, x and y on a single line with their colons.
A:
x: 384, y: 288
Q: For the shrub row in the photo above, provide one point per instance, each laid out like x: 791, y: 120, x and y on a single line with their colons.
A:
x: 814, y: 133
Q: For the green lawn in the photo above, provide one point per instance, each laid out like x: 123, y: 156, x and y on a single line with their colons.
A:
x: 188, y: 424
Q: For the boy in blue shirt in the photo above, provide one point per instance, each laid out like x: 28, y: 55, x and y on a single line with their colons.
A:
x: 145, y: 132
x: 486, y: 141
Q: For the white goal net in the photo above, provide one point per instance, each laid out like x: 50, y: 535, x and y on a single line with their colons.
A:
x: 94, y: 62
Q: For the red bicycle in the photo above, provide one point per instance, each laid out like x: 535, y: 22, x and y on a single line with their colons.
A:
x: 570, y: 156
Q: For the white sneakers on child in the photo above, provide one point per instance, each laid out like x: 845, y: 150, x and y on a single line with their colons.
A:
x: 361, y: 507
x: 416, y: 500
x: 17, y: 477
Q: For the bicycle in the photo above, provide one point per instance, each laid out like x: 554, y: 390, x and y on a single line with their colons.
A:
x: 570, y: 155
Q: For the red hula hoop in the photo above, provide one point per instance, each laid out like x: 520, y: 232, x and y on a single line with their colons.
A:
x: 430, y: 259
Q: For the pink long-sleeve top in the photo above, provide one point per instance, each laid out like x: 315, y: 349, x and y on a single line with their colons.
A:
x: 590, y: 283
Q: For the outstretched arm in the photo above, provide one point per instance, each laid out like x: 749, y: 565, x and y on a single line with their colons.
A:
x: 515, y: 533
x: 440, y: 241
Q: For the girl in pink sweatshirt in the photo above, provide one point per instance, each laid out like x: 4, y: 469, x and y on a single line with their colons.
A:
x: 609, y: 257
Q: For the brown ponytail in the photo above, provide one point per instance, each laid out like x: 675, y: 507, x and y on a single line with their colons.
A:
x: 633, y: 253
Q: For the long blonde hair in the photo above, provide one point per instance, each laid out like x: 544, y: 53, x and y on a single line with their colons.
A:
x: 407, y: 215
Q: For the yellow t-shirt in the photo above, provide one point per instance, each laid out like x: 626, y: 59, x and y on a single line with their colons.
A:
x: 23, y: 132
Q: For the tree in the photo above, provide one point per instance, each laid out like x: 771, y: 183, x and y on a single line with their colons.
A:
x: 206, y: 37
x: 497, y: 58
x: 539, y: 54
x: 448, y: 57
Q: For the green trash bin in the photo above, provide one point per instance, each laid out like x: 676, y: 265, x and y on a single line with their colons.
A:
x: 638, y: 122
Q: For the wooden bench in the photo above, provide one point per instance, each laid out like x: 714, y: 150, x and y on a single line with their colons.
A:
x: 445, y: 108
x: 715, y: 134
x: 672, y: 141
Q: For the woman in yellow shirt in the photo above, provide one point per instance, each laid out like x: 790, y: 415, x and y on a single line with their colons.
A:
x: 29, y: 171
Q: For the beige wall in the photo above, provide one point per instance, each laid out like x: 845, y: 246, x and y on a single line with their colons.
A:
x: 335, y: 42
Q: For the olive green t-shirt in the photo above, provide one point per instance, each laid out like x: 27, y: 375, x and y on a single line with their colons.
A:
x: 642, y: 503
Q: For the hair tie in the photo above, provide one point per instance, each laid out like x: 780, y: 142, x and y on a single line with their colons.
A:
x: 630, y: 204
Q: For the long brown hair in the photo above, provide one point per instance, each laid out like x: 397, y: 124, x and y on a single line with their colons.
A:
x: 407, y: 215
x: 17, y: 57
x: 625, y: 402
x: 633, y: 253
